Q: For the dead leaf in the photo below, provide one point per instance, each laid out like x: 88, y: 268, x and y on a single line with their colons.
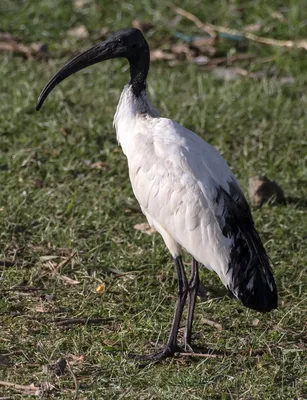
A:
x: 161, y: 277
x: 278, y: 15
x: 40, y: 309
x: 142, y: 26
x: 100, y: 288
x: 68, y: 280
x: 145, y: 228
x: 159, y: 54
x: 182, y: 51
x: 78, y: 32
x: 204, y: 46
x: 211, y: 323
x: 76, y: 359
x: 98, y: 165
x: 48, y: 258
x: 10, y: 44
x: 14, y: 47
x: 109, y: 342
x: 229, y: 74
x: 79, y: 4
x: 201, y: 60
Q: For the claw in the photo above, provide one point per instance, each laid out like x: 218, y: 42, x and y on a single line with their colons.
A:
x: 167, y: 351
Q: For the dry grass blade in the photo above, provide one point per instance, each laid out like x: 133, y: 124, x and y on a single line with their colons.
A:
x: 212, y: 29
x: 145, y: 228
x: 203, y: 355
x: 74, y: 321
x: 65, y: 261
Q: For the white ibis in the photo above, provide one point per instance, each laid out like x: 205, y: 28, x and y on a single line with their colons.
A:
x: 185, y: 189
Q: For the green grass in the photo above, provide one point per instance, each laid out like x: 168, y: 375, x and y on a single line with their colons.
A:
x: 53, y: 203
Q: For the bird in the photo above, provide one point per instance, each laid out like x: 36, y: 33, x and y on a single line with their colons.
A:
x: 185, y: 189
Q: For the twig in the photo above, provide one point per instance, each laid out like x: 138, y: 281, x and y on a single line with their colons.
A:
x: 75, y: 380
x: 65, y: 261
x: 212, y: 29
x: 204, y: 355
x: 205, y: 27
x: 73, y: 321
x: 28, y: 388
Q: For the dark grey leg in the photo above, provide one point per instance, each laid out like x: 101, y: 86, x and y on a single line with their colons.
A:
x: 181, y: 300
x: 193, y: 289
x: 171, y: 346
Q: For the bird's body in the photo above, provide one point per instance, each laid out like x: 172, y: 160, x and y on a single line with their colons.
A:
x: 185, y: 189
x: 174, y: 175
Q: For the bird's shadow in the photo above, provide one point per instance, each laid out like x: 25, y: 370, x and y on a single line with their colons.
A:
x: 297, y: 202
x: 300, y: 203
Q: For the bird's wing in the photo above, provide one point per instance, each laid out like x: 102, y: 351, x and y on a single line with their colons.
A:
x: 185, y: 185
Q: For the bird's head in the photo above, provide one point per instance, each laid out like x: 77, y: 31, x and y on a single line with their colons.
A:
x: 127, y: 43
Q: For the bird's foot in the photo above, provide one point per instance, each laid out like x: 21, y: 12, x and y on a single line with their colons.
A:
x: 187, y: 348
x: 167, y: 351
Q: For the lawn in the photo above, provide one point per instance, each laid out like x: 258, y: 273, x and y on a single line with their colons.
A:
x: 68, y: 214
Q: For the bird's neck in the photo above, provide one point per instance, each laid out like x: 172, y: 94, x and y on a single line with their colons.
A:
x: 131, y: 111
x: 139, y: 68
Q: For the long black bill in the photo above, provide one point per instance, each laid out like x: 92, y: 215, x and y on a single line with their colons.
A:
x: 101, y: 52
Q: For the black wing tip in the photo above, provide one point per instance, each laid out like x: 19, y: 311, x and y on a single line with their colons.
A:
x: 261, y: 297
x: 261, y: 304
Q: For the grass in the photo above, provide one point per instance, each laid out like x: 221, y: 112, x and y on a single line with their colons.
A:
x: 55, y: 202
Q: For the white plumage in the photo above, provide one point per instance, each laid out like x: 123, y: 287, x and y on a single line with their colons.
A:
x: 175, y: 176
x: 185, y: 189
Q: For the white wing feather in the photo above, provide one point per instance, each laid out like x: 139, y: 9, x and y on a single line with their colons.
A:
x: 175, y: 176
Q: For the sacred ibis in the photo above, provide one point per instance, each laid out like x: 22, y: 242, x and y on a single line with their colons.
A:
x: 185, y: 189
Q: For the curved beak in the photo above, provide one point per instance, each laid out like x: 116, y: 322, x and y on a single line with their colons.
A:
x: 103, y: 51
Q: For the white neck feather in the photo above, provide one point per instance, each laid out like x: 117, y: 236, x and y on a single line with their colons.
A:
x: 128, y: 110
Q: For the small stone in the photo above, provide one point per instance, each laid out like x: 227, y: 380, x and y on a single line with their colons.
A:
x: 262, y: 190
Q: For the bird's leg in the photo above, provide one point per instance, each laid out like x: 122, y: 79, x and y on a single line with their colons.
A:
x: 183, y: 289
x: 193, y: 289
x: 171, y: 346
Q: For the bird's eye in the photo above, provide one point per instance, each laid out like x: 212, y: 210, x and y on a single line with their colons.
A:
x: 134, y: 46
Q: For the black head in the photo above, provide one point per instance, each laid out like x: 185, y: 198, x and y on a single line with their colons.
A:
x: 128, y: 43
